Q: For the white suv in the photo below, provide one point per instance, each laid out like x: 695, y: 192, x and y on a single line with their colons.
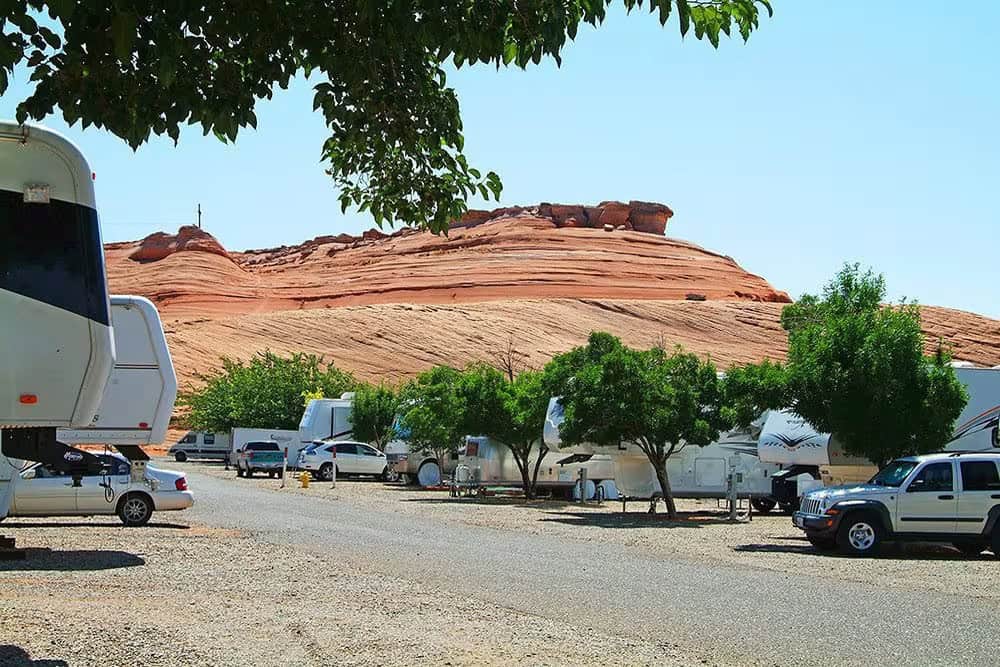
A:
x: 353, y: 458
x: 948, y: 497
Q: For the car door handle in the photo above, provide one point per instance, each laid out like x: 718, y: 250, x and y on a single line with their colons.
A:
x: 946, y: 497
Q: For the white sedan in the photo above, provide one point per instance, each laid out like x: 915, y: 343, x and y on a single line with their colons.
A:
x: 43, y: 491
x: 353, y: 458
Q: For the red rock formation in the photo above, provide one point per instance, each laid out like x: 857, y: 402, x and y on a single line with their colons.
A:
x: 161, y: 245
x: 647, y: 217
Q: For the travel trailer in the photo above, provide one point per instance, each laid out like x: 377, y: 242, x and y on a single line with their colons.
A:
x: 694, y: 472
x: 55, y: 321
x: 812, y: 459
x: 489, y: 463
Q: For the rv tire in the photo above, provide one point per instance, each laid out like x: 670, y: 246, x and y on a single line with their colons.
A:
x: 763, y: 505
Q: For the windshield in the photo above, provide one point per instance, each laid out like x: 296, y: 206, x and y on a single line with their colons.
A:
x: 894, y: 473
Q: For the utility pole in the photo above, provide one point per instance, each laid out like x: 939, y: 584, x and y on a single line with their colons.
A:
x: 199, y: 215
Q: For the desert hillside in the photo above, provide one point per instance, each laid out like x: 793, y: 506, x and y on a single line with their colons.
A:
x: 543, y: 276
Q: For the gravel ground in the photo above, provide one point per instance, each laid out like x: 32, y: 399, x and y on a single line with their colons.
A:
x: 180, y: 592
x: 767, y: 542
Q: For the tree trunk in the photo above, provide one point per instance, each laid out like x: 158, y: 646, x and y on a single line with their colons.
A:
x: 542, y: 451
x: 522, y: 467
x: 660, y: 466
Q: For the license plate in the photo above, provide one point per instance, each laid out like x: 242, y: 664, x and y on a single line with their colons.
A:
x: 800, y: 522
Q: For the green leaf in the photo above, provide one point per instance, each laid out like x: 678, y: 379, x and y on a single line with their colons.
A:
x: 123, y: 28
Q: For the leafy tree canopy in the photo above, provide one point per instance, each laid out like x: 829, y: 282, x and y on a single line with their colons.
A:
x: 509, y: 411
x: 433, y: 411
x: 857, y: 369
x: 661, y: 401
x: 395, y: 144
x: 373, y: 414
x: 265, y: 392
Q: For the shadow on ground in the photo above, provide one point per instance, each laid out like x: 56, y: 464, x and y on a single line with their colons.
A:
x: 914, y: 551
x: 55, y: 560
x: 637, y: 519
x: 90, y: 524
x: 15, y: 656
x: 494, y: 501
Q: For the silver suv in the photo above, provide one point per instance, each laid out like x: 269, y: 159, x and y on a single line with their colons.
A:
x: 947, y: 497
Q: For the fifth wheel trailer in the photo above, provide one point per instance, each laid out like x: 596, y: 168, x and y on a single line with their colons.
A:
x: 814, y: 459
x: 693, y: 472
x: 56, y: 340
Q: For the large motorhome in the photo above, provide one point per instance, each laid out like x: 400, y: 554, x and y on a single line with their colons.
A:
x: 694, y: 472
x: 813, y: 459
x: 55, y: 326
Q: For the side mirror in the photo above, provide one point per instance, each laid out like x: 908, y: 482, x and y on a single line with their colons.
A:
x: 916, y: 485
x: 28, y: 474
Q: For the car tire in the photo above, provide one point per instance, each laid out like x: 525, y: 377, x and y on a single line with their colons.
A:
x: 995, y: 542
x: 860, y: 534
x: 248, y: 473
x: 763, y: 505
x: 239, y: 471
x: 326, y: 472
x: 390, y: 475
x: 135, y: 509
x: 181, y: 457
x: 824, y: 544
x: 970, y: 549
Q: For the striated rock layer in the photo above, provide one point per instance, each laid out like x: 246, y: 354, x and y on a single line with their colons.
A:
x: 390, y: 305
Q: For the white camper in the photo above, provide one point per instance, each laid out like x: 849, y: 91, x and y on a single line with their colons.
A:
x: 139, y: 398
x: 56, y: 344
x: 813, y: 459
x: 489, y: 463
x: 200, y: 445
x: 694, y: 472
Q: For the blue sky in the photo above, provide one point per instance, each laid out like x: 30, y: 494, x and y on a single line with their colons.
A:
x: 847, y: 131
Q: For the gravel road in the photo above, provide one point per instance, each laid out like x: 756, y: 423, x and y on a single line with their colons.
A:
x: 367, y: 574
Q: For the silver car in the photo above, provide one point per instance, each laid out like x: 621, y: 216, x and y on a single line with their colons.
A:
x: 43, y: 491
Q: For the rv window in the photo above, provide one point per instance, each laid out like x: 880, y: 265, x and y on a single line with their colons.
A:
x: 190, y: 438
x: 980, y: 476
x: 472, y: 449
x: 209, y: 438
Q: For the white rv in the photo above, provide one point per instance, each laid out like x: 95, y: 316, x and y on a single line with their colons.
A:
x: 55, y: 330
x: 486, y: 462
x: 201, y: 445
x: 694, y: 472
x: 812, y: 459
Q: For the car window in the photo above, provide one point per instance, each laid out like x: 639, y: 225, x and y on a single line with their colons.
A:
x: 980, y: 476
x: 190, y: 438
x: 934, y: 477
x: 891, y: 475
x: 346, y: 448
x: 45, y: 471
x: 367, y: 451
x: 209, y: 439
x: 262, y: 446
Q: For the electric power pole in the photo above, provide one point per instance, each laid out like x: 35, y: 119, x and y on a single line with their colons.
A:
x: 199, y: 215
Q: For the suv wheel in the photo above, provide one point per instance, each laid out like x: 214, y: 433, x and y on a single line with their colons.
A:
x: 995, y: 542
x: 860, y: 534
x: 181, y: 457
x: 326, y: 472
x: 970, y: 548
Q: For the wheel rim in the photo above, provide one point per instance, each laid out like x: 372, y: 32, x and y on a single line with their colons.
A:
x: 327, y: 473
x: 134, y: 509
x: 861, y: 536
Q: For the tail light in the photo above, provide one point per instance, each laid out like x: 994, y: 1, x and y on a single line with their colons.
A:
x: 181, y: 483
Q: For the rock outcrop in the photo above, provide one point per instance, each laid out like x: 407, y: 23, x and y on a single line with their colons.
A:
x: 640, y: 216
x: 188, y: 238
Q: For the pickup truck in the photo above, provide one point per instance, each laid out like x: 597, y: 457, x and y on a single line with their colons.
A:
x: 259, y: 456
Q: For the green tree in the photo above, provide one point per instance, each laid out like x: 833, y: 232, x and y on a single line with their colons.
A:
x: 396, y: 142
x: 660, y: 401
x: 750, y: 389
x: 264, y: 392
x: 857, y: 369
x: 433, y: 412
x: 373, y: 414
x: 510, y: 412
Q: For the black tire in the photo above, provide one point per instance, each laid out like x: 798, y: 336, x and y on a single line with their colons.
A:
x: 860, y: 534
x: 764, y: 505
x: 271, y: 474
x: 970, y: 548
x: 135, y: 509
x: 326, y: 472
x: 995, y: 542
x: 248, y: 473
x: 239, y: 471
x: 790, y: 508
x: 824, y: 544
x: 181, y: 457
